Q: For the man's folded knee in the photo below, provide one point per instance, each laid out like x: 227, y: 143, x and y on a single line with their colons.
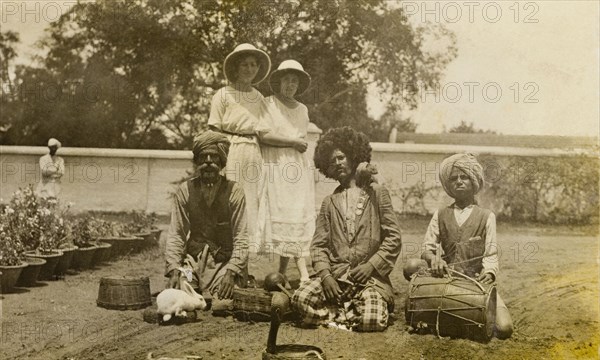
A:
x: 503, y: 331
x: 504, y: 325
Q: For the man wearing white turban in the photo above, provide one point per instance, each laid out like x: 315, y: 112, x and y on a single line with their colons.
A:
x: 462, y: 236
x: 208, y: 222
x: 467, y: 163
x: 52, y: 167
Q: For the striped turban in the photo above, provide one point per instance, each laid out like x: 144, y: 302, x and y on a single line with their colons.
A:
x: 208, y: 138
x: 468, y: 164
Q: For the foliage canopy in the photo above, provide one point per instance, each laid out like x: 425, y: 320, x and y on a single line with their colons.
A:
x: 140, y: 74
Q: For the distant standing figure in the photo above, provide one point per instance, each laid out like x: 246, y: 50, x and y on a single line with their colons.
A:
x: 235, y: 112
x: 287, y: 208
x: 52, y: 167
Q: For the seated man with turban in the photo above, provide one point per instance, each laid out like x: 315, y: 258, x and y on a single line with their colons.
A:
x: 208, y: 222
x: 463, y: 235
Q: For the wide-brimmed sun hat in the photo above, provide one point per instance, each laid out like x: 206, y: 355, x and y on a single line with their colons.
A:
x: 54, y: 142
x: 264, y: 62
x: 290, y: 66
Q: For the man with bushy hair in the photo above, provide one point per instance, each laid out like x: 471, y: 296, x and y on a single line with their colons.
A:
x: 356, y: 243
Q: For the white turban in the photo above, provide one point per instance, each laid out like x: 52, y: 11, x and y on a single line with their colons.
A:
x: 468, y: 164
x: 54, y: 142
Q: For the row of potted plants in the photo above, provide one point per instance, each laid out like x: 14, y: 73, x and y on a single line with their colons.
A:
x: 40, y: 240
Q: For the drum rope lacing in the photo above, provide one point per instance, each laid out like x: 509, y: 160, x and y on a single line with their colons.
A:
x: 466, y: 277
x: 448, y: 293
x: 444, y: 295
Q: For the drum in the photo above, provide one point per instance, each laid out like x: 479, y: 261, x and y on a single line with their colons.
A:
x: 455, y: 306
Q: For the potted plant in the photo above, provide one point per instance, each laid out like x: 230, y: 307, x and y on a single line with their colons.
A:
x: 103, y: 249
x: 12, y: 258
x: 153, y: 219
x: 68, y: 248
x: 21, y: 217
x: 37, y: 224
x: 52, y: 231
x: 83, y: 238
x: 46, y: 250
x: 31, y: 273
x: 120, y: 238
x: 141, y: 225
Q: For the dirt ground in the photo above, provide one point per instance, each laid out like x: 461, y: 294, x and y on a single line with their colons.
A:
x: 548, y: 279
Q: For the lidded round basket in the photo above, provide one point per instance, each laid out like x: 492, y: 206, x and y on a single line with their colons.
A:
x: 252, y: 300
x: 124, y: 292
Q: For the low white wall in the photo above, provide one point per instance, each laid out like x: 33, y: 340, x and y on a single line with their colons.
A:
x: 123, y: 180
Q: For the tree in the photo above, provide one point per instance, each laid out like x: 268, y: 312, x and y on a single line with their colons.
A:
x: 468, y: 128
x: 151, y: 67
x: 389, y: 120
x: 8, y: 40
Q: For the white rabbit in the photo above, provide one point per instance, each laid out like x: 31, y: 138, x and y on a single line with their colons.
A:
x: 174, y: 301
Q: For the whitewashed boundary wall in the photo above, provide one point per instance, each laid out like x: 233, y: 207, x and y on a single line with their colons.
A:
x: 124, y: 180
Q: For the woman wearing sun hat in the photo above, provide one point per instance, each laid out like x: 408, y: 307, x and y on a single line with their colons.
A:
x: 287, y: 209
x: 235, y: 111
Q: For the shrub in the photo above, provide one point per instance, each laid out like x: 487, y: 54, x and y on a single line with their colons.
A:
x: 37, y: 223
x: 413, y: 199
x: 550, y: 190
x: 83, y: 232
x: 556, y: 190
x: 140, y: 222
x: 105, y: 228
x: 11, y: 248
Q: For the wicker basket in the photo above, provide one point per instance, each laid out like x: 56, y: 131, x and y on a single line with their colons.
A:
x: 252, y: 300
x: 124, y: 293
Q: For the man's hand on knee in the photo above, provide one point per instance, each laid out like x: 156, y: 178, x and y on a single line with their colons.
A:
x: 362, y: 273
x: 331, y: 288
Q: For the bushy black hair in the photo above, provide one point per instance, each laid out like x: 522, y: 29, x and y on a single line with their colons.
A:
x: 354, y: 144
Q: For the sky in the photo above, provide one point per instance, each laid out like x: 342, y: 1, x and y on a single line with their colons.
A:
x: 547, y: 71
x: 526, y: 68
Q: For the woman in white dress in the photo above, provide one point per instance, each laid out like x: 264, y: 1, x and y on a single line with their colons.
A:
x: 235, y: 111
x: 287, y: 210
